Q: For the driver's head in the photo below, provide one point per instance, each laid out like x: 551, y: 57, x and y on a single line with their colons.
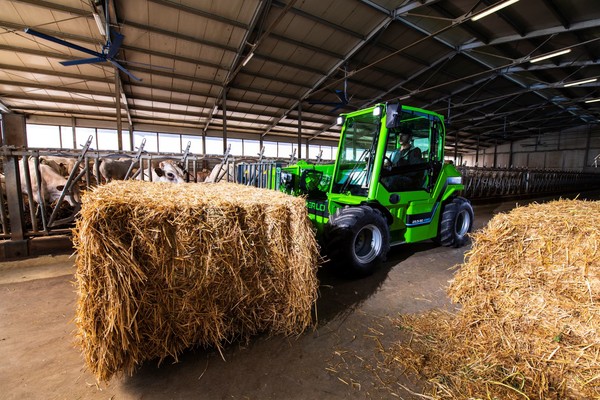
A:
x: 405, y: 136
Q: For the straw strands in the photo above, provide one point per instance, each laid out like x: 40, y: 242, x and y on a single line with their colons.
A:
x: 529, y: 326
x: 162, y: 268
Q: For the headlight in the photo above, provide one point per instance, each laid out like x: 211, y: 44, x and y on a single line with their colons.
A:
x: 454, y: 180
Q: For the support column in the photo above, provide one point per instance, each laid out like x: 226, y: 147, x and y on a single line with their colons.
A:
x: 131, y: 138
x: 224, y: 107
x: 456, y: 148
x: 300, y: 132
x: 588, y: 144
x: 118, y: 107
x: 13, y: 130
x: 73, y: 123
x: 14, y: 134
x: 260, y: 142
x: 477, y: 152
x: 495, y: 155
x: 307, y: 150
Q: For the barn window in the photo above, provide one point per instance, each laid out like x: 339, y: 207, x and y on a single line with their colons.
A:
x: 43, y: 136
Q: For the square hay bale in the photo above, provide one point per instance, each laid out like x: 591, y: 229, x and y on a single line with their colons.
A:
x: 529, y: 323
x: 163, y: 267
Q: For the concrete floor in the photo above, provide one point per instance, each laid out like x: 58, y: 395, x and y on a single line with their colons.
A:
x: 333, y: 361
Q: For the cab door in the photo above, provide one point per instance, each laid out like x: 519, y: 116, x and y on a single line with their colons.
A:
x: 407, y: 190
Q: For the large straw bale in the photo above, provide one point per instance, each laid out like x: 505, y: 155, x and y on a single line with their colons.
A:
x: 162, y: 268
x: 529, y: 326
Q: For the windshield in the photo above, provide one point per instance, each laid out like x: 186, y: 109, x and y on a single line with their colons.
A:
x: 356, y: 155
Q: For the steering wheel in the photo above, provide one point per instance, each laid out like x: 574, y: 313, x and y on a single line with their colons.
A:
x: 389, y: 164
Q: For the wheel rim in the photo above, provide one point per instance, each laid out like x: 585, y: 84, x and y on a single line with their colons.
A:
x: 463, y: 222
x: 368, y: 244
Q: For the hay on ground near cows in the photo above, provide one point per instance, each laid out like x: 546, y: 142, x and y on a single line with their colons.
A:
x: 529, y: 326
x: 163, y: 267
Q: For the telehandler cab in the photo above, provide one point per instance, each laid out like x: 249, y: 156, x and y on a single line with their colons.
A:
x: 389, y: 185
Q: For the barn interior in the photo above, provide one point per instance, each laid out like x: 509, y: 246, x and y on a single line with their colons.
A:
x: 213, y: 91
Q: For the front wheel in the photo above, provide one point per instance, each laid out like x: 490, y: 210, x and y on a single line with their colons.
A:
x: 357, y: 239
x: 456, y: 223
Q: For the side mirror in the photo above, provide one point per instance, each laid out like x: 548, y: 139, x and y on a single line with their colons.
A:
x: 391, y: 112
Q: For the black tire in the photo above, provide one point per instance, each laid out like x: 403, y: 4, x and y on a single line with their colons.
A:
x: 357, y: 240
x: 456, y: 223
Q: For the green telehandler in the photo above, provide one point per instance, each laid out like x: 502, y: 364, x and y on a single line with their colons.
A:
x: 389, y: 185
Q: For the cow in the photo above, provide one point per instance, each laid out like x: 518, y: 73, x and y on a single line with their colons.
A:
x: 167, y: 171
x: 51, y: 185
x: 222, y: 172
x: 62, y: 165
x: 114, y: 169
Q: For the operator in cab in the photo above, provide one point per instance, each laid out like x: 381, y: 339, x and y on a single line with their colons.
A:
x: 407, y: 153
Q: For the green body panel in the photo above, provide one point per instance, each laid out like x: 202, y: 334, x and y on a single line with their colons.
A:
x: 360, y: 175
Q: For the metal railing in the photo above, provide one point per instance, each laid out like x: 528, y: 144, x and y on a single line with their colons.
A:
x: 488, y: 183
x: 26, y: 212
x: 261, y: 174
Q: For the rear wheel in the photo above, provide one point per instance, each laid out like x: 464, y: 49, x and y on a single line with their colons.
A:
x: 357, y: 239
x: 456, y: 223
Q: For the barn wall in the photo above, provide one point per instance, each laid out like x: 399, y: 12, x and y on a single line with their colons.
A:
x: 572, y: 150
x: 104, y: 124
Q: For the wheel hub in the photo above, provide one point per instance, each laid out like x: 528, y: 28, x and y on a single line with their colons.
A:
x: 368, y: 243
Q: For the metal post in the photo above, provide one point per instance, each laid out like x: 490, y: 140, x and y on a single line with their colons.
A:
x: 495, y: 155
x: 300, y: 132
x: 260, y: 143
x: 131, y: 137
x: 587, y: 148
x: 73, y: 123
x: 224, y: 106
x: 118, y: 104
x: 17, y: 246
x: 455, y: 147
x: 14, y: 134
x: 477, y: 152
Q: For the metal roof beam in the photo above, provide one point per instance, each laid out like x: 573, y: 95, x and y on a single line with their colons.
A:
x: 82, y: 78
x: 31, y: 97
x: 57, y: 7
x: 359, y: 45
x: 321, y: 21
x: 594, y: 23
x: 557, y: 12
x: 176, y: 35
x: 235, y: 64
x: 473, y: 57
x: 200, y: 13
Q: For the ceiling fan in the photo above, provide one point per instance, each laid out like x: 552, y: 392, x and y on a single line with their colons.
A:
x: 109, y: 51
x: 341, y: 94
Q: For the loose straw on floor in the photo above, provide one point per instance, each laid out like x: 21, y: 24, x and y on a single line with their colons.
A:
x: 529, y: 323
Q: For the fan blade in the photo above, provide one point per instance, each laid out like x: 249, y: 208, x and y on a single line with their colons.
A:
x: 62, y: 42
x: 83, y: 61
x: 342, y: 96
x: 116, y: 64
x: 325, y: 103
x: 141, y: 64
x: 337, y: 108
x: 115, y: 45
